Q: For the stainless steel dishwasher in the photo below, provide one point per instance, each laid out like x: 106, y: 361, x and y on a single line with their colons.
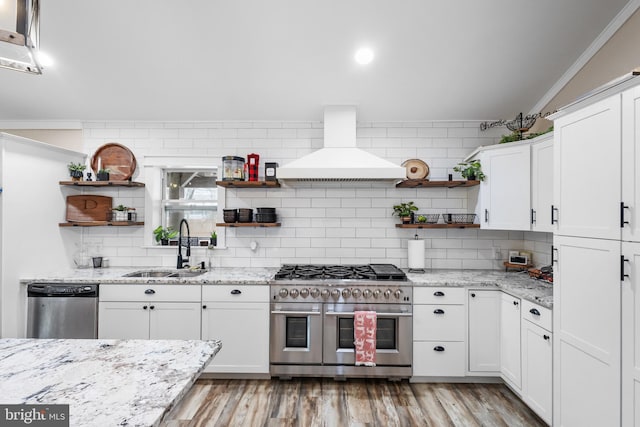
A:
x: 62, y: 310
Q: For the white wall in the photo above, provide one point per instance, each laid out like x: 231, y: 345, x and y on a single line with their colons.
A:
x: 32, y: 205
x: 321, y: 222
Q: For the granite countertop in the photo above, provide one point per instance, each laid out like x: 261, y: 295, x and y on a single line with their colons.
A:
x: 105, y: 382
x: 111, y: 275
x: 518, y: 284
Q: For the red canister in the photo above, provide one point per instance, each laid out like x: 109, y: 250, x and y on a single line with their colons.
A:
x: 252, y: 165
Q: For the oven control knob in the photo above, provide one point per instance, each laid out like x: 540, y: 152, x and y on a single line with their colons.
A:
x: 315, y: 293
x: 325, y: 293
x: 366, y: 293
x: 335, y: 293
x: 387, y: 293
x: 304, y: 292
x: 346, y: 293
x: 398, y: 293
x: 356, y: 293
x: 293, y: 293
x: 376, y: 293
x: 283, y: 293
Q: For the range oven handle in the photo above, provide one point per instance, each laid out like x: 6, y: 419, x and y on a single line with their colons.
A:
x: 316, y: 313
x: 347, y: 313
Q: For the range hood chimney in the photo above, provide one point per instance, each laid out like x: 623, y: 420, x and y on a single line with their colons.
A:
x: 340, y: 160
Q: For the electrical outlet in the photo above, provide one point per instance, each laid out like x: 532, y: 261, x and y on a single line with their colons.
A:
x: 497, y: 254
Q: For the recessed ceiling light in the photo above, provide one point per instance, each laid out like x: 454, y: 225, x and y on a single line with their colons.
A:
x: 364, y: 56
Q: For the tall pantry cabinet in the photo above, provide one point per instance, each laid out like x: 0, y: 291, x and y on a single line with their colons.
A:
x: 594, y: 214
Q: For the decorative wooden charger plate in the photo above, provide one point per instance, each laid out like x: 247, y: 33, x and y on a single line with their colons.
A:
x: 117, y: 158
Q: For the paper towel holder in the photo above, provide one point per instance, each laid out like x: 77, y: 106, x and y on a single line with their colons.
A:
x: 417, y: 270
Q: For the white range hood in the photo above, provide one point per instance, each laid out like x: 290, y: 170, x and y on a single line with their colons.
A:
x: 340, y: 160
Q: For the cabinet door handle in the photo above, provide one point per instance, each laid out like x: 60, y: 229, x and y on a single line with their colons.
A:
x: 534, y: 311
x: 622, y: 208
x: 204, y: 306
x: 546, y: 337
x: 554, y: 250
x: 473, y: 295
x: 516, y: 303
x: 486, y: 215
x: 438, y: 348
x: 438, y: 311
x: 236, y: 292
x: 149, y: 292
x: 438, y: 294
x: 622, y: 261
x: 144, y: 307
x: 533, y: 216
x: 554, y: 220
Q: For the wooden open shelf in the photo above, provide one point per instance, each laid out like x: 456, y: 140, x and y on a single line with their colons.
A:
x: 425, y: 183
x: 103, y: 183
x: 438, y: 225
x: 248, y: 184
x: 101, y: 223
x: 248, y: 224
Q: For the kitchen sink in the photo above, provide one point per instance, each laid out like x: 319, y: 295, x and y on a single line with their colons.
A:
x: 164, y: 273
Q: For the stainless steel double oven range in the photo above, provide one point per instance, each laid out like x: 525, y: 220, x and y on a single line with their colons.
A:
x: 312, y: 311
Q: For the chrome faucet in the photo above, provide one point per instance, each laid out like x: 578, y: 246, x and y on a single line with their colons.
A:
x: 182, y: 263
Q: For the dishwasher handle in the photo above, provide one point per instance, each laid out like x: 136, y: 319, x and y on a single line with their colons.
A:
x: 88, y: 290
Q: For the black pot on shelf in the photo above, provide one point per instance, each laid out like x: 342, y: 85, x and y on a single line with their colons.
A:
x: 102, y: 176
x: 213, y: 241
x: 164, y: 242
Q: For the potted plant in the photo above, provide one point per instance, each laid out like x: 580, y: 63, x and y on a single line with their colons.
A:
x: 103, y: 174
x: 471, y: 170
x: 405, y: 211
x: 163, y: 234
x: 76, y: 171
x: 120, y: 213
x: 213, y: 239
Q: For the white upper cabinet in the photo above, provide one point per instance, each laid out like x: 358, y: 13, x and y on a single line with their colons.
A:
x: 587, y: 171
x: 630, y: 207
x: 542, y: 183
x: 505, y: 193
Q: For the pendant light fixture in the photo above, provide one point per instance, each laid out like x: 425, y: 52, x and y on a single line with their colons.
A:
x: 20, y: 35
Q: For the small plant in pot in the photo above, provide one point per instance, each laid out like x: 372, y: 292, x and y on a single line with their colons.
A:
x: 76, y: 171
x: 103, y: 174
x: 213, y: 240
x: 470, y: 170
x: 405, y: 211
x: 163, y: 234
x: 120, y: 213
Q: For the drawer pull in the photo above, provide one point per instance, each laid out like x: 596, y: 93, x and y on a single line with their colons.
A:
x: 438, y: 311
x: 534, y: 311
x: 204, y: 306
x: 438, y: 348
x: 236, y: 292
x: 438, y: 294
x: 149, y: 292
x: 473, y: 295
x: 546, y: 337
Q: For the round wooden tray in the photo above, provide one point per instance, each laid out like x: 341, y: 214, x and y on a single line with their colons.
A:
x: 117, y: 158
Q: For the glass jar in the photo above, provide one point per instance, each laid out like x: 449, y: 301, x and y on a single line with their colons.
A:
x: 232, y: 168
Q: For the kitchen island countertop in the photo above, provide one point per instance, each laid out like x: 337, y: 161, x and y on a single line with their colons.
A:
x: 105, y: 382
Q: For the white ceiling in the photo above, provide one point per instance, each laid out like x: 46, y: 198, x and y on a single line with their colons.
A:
x: 285, y: 59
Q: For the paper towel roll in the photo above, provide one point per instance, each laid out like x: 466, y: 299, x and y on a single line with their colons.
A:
x: 416, y: 254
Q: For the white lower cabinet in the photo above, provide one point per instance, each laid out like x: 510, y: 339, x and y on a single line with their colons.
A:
x: 439, y: 332
x: 631, y: 335
x: 510, y: 340
x: 149, y: 312
x: 239, y: 317
x: 484, y: 330
x: 537, y: 361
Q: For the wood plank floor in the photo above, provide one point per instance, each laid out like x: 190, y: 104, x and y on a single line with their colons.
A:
x: 356, y: 402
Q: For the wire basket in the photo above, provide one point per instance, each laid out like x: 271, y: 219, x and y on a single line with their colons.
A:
x: 426, y: 218
x: 459, y: 218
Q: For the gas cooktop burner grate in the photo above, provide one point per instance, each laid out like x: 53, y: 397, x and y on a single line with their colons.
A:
x: 340, y: 272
